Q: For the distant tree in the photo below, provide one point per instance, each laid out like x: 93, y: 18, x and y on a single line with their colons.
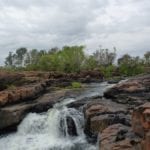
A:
x: 53, y: 50
x: 130, y: 65
x: 147, y: 58
x: 9, y: 60
x: 125, y: 59
x: 104, y: 57
x: 19, y: 56
x: 42, y: 52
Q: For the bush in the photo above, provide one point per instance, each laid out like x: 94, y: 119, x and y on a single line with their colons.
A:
x: 131, y: 70
x: 108, y: 71
x: 76, y: 85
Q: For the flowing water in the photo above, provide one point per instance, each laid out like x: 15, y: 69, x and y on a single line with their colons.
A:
x: 51, y: 130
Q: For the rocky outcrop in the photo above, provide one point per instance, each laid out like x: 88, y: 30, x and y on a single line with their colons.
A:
x: 11, y: 116
x: 7, y: 78
x: 99, y: 116
x: 127, y: 129
x: 21, y: 94
x: 18, y: 87
x: 119, y: 137
x: 133, y: 92
x: 141, y: 124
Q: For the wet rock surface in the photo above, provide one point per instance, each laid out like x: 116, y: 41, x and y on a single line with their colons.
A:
x: 141, y: 124
x: 132, y: 92
x: 100, y: 115
x: 122, y: 120
x: 119, y: 137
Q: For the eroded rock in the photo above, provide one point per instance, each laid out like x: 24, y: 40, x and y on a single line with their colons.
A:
x: 141, y: 124
x: 21, y: 93
x: 133, y: 92
x: 99, y: 116
x: 119, y: 137
x: 11, y: 116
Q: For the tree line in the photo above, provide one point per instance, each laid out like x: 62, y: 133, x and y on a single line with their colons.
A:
x: 71, y: 59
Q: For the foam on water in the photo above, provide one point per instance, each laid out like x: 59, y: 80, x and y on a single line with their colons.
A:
x: 43, y: 131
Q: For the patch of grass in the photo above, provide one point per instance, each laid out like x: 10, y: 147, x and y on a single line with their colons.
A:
x: 76, y: 85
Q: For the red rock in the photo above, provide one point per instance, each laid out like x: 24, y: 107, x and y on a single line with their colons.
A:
x: 141, y: 119
x: 147, y: 141
x: 21, y: 93
x: 96, y: 108
x: 116, y: 137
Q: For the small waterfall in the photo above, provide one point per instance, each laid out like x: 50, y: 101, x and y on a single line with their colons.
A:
x: 61, y: 128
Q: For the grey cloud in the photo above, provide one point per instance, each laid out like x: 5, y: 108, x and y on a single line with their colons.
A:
x: 47, y: 23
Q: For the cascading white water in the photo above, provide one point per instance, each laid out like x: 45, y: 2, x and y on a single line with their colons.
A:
x: 49, y: 131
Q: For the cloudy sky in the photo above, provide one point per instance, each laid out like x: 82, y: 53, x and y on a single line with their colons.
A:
x: 43, y: 24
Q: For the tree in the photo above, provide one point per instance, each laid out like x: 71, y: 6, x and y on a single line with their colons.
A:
x: 53, y: 50
x: 20, y: 54
x: 72, y: 58
x: 125, y: 59
x: 130, y: 65
x: 9, y: 60
x: 90, y: 63
x: 147, y: 58
x: 50, y: 62
x: 104, y: 57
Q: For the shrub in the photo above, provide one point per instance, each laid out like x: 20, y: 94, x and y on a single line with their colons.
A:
x: 76, y: 85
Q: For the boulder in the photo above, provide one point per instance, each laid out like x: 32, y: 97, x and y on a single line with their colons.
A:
x: 133, y: 92
x: 141, y: 119
x: 99, y: 116
x: 119, y: 137
x: 100, y: 122
x: 141, y: 124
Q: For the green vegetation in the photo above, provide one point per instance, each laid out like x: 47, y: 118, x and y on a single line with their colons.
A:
x: 130, y: 66
x: 108, y: 71
x: 76, y: 85
x: 72, y: 59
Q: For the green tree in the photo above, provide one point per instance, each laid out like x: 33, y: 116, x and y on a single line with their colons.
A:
x: 20, y: 54
x: 90, y: 63
x: 72, y: 58
x: 147, y: 58
x: 50, y: 62
x: 130, y: 65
